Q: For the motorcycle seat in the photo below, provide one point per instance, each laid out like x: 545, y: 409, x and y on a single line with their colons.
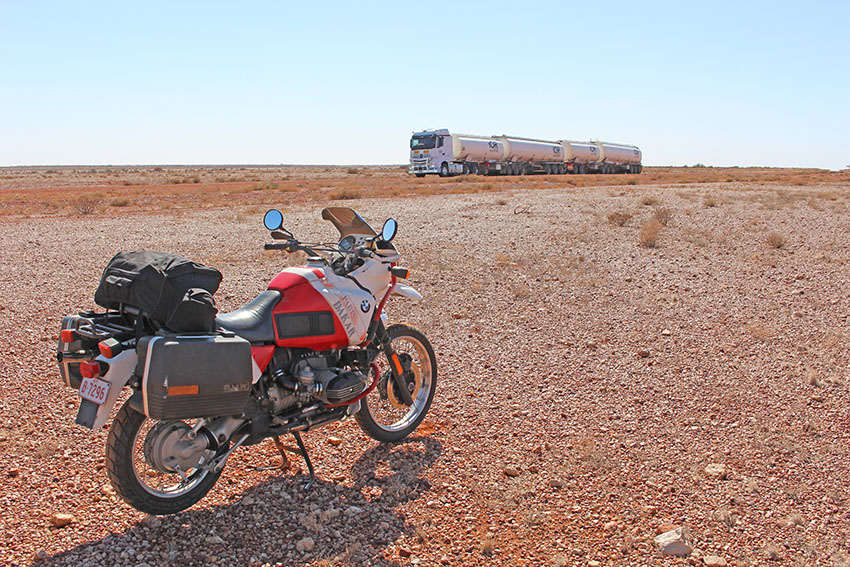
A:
x: 253, y: 322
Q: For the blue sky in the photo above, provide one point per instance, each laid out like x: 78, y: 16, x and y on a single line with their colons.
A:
x: 719, y: 83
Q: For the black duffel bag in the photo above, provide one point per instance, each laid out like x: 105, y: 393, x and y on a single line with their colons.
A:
x: 158, y: 284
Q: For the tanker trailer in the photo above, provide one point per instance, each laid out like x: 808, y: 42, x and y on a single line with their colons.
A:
x: 447, y: 154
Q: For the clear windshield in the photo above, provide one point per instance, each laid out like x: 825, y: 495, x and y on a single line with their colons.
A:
x: 423, y: 142
x: 347, y: 222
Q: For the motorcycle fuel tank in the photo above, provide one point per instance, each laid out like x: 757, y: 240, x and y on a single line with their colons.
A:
x: 320, y: 310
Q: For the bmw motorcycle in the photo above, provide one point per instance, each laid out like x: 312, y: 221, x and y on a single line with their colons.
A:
x: 314, y: 348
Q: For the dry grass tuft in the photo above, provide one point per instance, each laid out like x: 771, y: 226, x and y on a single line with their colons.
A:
x: 619, y: 218
x: 648, y: 237
x: 663, y: 215
x: 709, y: 201
x: 488, y: 545
x: 345, y: 194
x: 119, y: 202
x: 649, y: 200
x: 775, y: 240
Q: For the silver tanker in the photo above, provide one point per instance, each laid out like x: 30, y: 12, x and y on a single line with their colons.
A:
x: 446, y: 154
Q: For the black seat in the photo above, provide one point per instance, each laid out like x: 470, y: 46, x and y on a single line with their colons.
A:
x: 253, y: 322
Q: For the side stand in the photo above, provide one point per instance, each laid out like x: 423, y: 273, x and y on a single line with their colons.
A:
x: 304, y: 454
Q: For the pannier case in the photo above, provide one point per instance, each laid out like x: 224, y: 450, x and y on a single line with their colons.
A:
x: 188, y: 376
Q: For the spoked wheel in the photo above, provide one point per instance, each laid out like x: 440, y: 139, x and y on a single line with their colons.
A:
x: 384, y: 415
x: 144, y: 470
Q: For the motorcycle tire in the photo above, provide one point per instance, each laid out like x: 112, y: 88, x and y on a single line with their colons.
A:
x: 137, y: 482
x: 382, y: 415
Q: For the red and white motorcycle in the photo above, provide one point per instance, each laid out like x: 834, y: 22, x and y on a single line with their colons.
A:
x: 311, y: 349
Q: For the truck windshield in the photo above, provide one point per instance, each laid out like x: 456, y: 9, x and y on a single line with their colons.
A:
x: 423, y: 141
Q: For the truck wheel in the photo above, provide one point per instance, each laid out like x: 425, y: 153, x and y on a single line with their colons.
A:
x: 444, y: 170
x: 474, y: 169
x: 420, y: 175
x: 524, y: 170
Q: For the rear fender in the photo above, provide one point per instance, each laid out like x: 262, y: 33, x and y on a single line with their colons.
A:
x: 120, y: 370
x: 406, y: 291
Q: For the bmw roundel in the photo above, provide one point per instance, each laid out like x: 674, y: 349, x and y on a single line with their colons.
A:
x: 365, y: 306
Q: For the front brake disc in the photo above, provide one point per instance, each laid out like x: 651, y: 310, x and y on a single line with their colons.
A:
x: 394, y: 396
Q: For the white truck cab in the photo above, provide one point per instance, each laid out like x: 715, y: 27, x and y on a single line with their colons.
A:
x: 431, y: 152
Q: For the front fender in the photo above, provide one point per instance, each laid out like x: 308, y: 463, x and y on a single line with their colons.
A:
x: 406, y: 291
x: 120, y: 370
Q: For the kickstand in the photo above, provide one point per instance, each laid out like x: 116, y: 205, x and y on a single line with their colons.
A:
x: 304, y: 454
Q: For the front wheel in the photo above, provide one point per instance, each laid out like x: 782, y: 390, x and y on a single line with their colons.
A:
x: 444, y: 170
x: 145, y: 474
x: 383, y: 415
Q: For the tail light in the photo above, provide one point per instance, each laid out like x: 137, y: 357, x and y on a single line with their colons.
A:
x: 93, y: 369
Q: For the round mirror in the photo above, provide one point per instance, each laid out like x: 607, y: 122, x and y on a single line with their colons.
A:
x: 273, y: 219
x: 389, y: 230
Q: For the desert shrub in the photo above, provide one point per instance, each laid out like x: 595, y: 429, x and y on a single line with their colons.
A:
x: 352, y: 170
x: 619, y: 218
x: 267, y: 186
x: 649, y: 200
x: 345, y: 194
x: 648, y: 237
x: 663, y: 215
x: 119, y: 202
x: 88, y: 203
x: 709, y: 201
x: 775, y: 240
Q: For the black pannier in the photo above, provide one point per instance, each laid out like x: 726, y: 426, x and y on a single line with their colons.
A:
x: 167, y: 288
x: 188, y: 376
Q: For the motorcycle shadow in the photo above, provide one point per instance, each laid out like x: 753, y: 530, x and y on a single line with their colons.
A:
x: 349, y: 523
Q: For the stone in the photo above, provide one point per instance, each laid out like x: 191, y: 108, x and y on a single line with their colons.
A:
x: 642, y: 353
x: 675, y: 542
x: 13, y: 473
x: 213, y: 540
x: 716, y: 470
x: 556, y: 483
x: 330, y: 514
x: 335, y: 441
x: 150, y: 521
x: 353, y: 510
x: 60, y: 520
x: 594, y: 563
x: 714, y: 561
x: 404, y: 552
x: 610, y: 526
x: 665, y: 527
x: 511, y: 470
x: 666, y: 333
x: 305, y: 545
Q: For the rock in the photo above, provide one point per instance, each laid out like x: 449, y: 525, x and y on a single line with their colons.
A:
x: 594, y: 563
x: 60, y: 520
x: 665, y: 527
x: 556, y: 483
x: 305, y: 545
x: 675, y: 542
x: 610, y: 526
x: 714, y: 561
x: 213, y: 540
x: 335, y: 441
x: 353, y: 510
x: 150, y: 521
x: 592, y: 344
x: 642, y: 353
x: 330, y: 514
x: 716, y: 470
x: 534, y: 469
x: 511, y: 470
x: 247, y: 501
x: 666, y: 333
x: 404, y: 552
x: 13, y: 473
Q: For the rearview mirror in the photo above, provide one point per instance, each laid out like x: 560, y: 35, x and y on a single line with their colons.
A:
x: 273, y: 219
x: 389, y: 230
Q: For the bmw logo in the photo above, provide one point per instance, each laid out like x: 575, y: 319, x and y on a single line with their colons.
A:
x: 365, y: 306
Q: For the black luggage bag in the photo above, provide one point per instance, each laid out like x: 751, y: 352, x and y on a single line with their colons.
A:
x: 172, y: 291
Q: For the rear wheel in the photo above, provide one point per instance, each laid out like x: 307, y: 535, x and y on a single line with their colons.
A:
x: 145, y: 474
x: 383, y: 415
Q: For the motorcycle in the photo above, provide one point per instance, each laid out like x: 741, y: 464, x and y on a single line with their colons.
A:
x: 312, y: 349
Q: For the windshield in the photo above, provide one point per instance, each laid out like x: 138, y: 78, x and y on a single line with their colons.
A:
x: 423, y: 141
x: 347, y: 222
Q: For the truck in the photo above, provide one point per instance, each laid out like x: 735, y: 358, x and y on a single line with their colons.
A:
x: 445, y: 154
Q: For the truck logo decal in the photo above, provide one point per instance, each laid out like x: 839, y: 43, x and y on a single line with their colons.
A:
x: 556, y: 149
x: 593, y: 149
x: 493, y: 145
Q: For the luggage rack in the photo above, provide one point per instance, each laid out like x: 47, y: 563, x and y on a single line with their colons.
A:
x: 102, y: 326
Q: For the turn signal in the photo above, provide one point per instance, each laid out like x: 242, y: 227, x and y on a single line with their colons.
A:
x: 90, y: 369
x: 402, y: 273
x: 67, y: 335
x: 110, y: 348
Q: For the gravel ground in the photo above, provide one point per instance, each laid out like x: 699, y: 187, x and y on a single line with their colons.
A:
x: 592, y: 392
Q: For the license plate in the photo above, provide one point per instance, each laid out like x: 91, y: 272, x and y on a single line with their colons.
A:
x: 94, y: 390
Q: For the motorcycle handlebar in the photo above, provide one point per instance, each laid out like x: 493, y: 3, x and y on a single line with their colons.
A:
x: 276, y: 246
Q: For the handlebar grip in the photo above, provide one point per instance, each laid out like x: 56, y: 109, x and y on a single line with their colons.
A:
x: 276, y: 246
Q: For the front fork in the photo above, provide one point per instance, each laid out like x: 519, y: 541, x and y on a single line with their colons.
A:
x: 396, y: 368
